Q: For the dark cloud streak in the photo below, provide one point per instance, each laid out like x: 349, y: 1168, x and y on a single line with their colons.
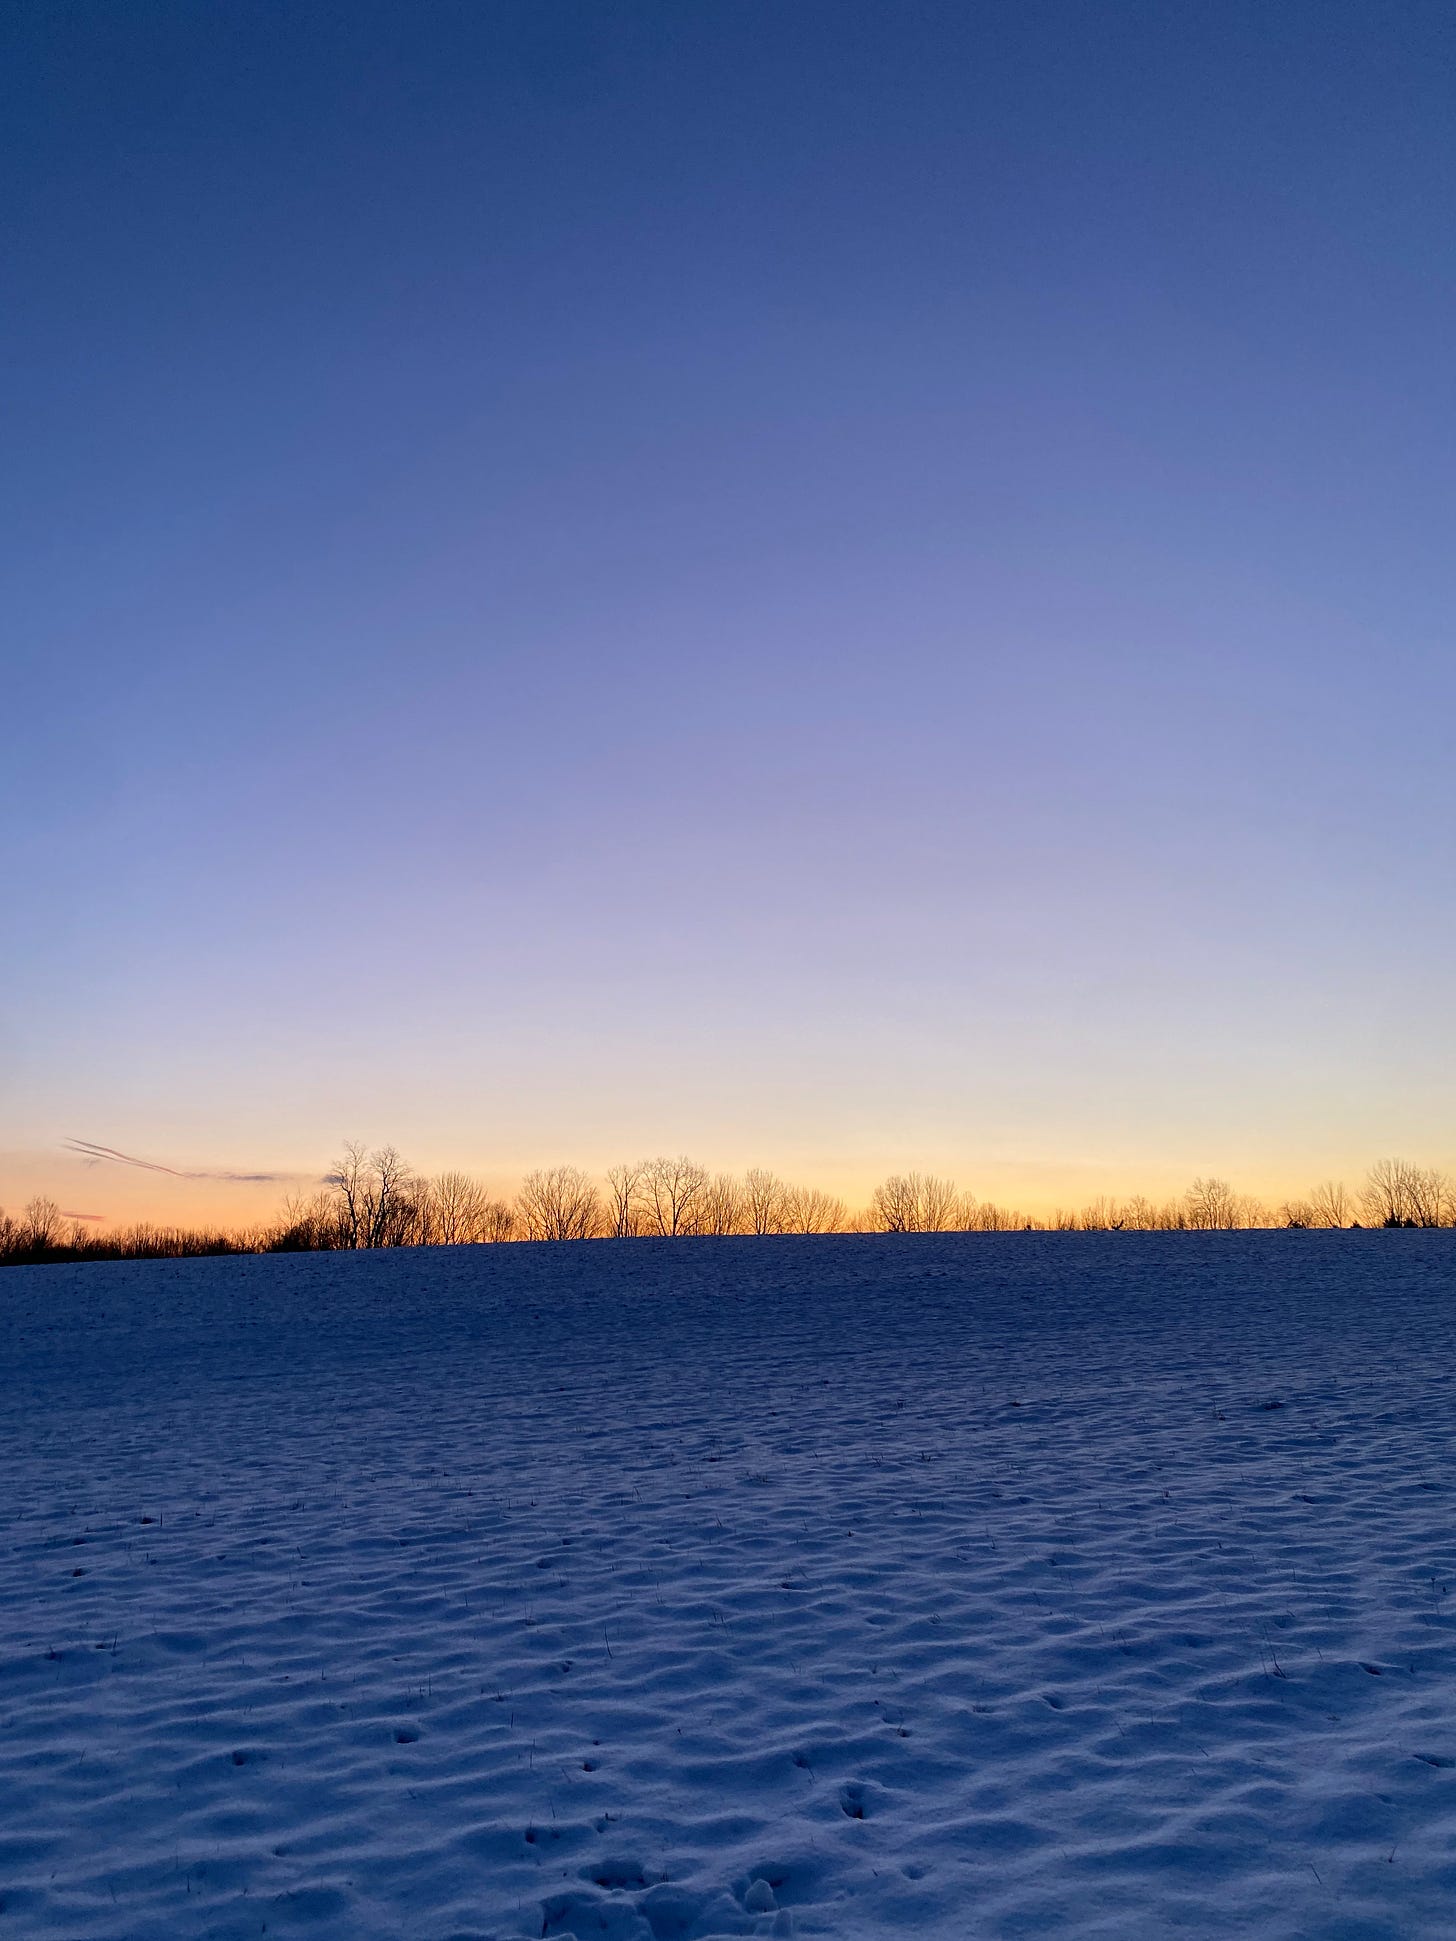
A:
x: 93, y: 1154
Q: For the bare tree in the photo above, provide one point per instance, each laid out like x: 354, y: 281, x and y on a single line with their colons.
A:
x: 990, y: 1218
x: 559, y: 1204
x: 1297, y: 1213
x: 350, y: 1178
x: 1385, y: 1201
x: 1102, y: 1215
x: 1211, y: 1205
x: 1329, y: 1204
x: 624, y: 1198
x: 41, y: 1223
x: 672, y: 1189
x: 389, y: 1200
x: 498, y: 1221
x: 719, y: 1208
x: 1400, y: 1194
x: 377, y: 1197
x: 942, y: 1208
x: 455, y: 1210
x: 919, y: 1203
x: 1394, y: 1194
x: 894, y: 1204
x: 306, y: 1225
x: 807, y: 1210
x: 1433, y: 1199
x: 764, y: 1200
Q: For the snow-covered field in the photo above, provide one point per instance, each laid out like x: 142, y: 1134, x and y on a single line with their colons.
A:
x: 945, y: 1586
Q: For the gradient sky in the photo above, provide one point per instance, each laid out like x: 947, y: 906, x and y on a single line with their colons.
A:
x: 844, y: 585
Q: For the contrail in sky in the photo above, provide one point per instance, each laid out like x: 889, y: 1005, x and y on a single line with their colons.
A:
x: 89, y: 1150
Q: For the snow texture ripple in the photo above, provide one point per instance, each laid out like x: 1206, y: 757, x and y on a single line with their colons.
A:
x: 949, y: 1586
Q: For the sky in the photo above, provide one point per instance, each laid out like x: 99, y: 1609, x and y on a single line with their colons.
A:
x: 844, y: 586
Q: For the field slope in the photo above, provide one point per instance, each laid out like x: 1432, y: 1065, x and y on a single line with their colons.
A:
x: 949, y: 1586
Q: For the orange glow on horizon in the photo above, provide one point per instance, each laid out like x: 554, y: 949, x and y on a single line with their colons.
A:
x: 109, y: 1195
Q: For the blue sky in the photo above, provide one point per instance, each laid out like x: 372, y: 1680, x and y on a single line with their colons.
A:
x: 848, y: 586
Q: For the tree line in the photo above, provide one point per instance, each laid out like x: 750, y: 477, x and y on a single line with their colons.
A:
x: 373, y: 1198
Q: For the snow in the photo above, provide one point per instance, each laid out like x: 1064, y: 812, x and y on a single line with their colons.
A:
x: 1011, y: 1585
